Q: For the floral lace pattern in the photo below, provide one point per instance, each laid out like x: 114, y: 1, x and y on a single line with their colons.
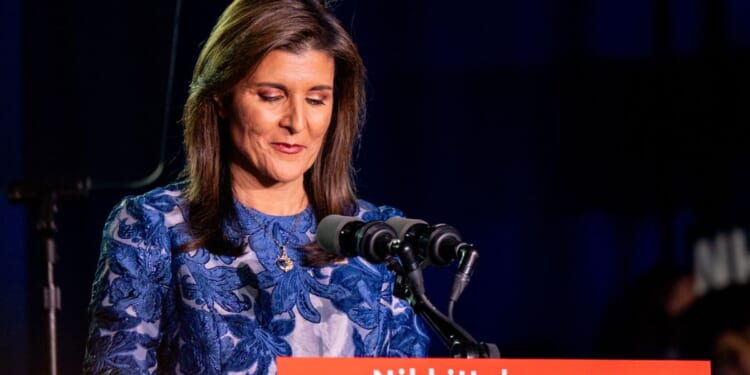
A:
x: 156, y: 310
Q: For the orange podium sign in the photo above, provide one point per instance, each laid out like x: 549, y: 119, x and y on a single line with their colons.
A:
x: 451, y: 366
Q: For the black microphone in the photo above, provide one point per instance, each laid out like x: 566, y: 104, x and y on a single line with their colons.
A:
x: 348, y: 236
x: 440, y: 244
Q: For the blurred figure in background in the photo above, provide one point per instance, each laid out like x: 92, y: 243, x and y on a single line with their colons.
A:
x: 644, y: 322
x: 717, y: 327
x: 662, y: 316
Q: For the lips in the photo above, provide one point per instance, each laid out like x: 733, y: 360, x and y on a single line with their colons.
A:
x: 287, y: 148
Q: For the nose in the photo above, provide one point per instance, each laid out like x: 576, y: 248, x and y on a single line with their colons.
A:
x: 294, y: 119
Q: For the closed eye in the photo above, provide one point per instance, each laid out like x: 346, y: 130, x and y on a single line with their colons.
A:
x: 270, y: 99
x: 314, y: 101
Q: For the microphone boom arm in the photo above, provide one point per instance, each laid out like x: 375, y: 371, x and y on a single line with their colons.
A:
x: 409, y: 286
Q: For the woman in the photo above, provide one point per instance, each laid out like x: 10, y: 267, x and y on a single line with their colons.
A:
x: 220, y: 273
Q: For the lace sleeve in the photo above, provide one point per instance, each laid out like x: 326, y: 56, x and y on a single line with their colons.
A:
x: 129, y: 291
x: 407, y: 335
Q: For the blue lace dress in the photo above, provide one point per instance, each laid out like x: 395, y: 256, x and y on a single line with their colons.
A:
x: 156, y: 310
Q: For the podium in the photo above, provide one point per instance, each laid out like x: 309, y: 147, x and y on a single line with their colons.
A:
x: 451, y: 366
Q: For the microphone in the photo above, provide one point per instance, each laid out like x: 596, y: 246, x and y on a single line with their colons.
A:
x: 375, y: 241
x: 348, y: 236
x: 440, y: 244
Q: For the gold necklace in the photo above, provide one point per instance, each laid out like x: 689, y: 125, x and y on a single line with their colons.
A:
x: 283, y: 261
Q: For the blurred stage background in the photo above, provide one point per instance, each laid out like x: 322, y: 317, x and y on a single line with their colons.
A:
x: 581, y: 145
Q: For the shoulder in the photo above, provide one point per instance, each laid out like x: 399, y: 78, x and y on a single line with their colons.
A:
x: 137, y: 217
x: 159, y: 200
x: 368, y: 211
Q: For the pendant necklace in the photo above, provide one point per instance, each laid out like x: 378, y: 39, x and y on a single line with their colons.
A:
x: 283, y: 261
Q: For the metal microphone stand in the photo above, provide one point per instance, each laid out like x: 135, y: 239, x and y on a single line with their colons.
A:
x: 410, y: 286
x: 52, y: 297
x: 46, y: 197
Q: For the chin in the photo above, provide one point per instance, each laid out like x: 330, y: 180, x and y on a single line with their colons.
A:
x: 286, y: 178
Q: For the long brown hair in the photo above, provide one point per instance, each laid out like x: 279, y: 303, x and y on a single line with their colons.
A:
x: 244, y: 34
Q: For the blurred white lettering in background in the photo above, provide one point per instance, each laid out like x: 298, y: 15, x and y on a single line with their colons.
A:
x: 721, y: 261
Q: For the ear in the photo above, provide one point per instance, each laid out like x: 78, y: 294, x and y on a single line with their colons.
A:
x: 220, y: 106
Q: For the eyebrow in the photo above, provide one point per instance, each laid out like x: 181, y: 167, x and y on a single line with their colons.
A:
x: 282, y: 87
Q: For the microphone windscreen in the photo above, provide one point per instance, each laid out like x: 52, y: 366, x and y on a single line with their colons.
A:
x: 329, y: 232
x: 402, y: 225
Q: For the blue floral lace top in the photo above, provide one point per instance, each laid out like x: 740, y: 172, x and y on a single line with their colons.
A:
x: 156, y: 310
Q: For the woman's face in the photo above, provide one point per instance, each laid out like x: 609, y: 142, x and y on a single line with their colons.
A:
x: 278, y: 117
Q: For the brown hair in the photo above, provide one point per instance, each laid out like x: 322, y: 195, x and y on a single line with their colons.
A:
x: 244, y: 34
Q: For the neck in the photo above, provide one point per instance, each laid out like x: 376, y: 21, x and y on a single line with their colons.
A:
x: 280, y: 199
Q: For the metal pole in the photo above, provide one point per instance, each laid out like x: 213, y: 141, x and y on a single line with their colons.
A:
x: 47, y: 229
x: 52, y: 303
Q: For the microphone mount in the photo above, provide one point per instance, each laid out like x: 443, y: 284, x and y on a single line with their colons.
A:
x: 410, y: 286
x: 407, y: 246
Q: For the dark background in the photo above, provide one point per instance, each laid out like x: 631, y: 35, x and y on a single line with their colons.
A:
x: 576, y: 143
